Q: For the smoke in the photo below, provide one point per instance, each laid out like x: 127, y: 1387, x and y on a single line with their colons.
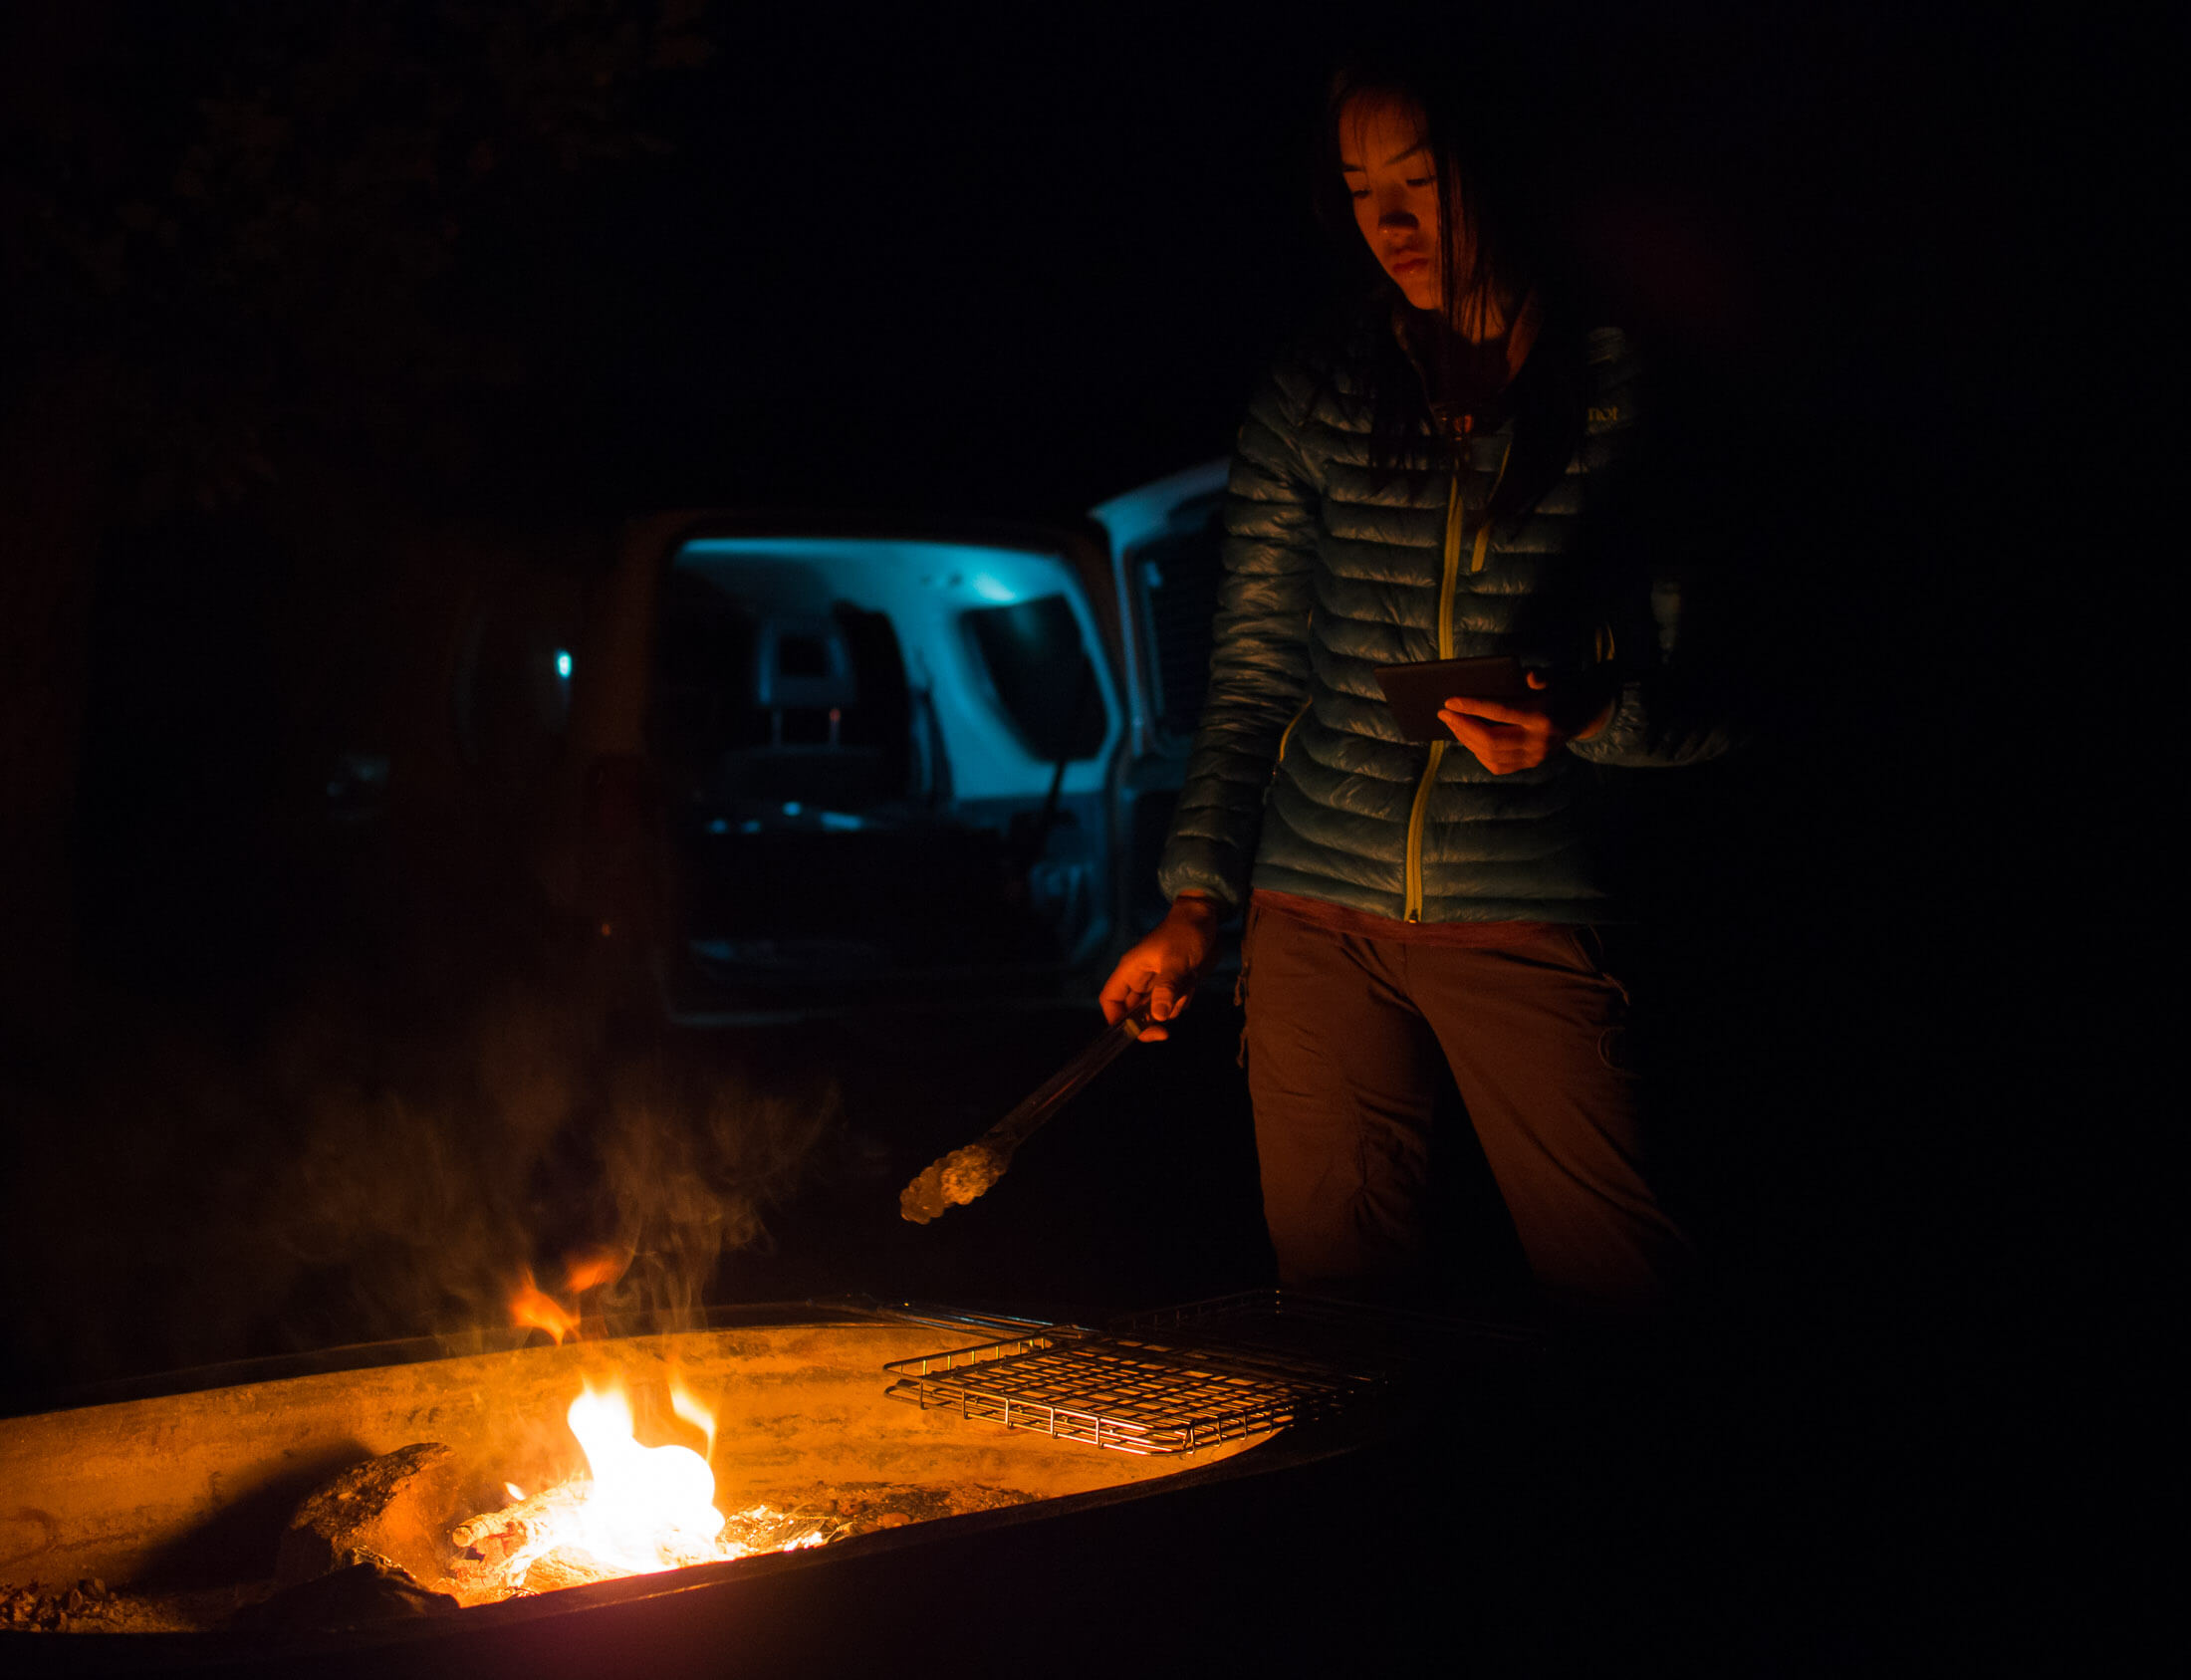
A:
x: 690, y: 1162
x: 364, y: 1176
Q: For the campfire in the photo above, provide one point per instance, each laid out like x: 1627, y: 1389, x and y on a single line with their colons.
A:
x: 482, y: 1483
x: 637, y: 1509
x: 633, y: 1510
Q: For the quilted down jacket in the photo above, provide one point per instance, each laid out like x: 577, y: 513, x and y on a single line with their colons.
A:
x: 1299, y: 779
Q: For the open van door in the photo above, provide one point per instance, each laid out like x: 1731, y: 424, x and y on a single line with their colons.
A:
x: 825, y: 762
x: 1164, y: 540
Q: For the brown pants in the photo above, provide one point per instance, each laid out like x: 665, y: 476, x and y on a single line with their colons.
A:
x: 1343, y: 1043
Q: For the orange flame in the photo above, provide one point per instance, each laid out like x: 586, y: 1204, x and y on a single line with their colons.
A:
x: 537, y: 1310
x: 687, y: 1405
x: 592, y: 1268
x: 640, y: 1509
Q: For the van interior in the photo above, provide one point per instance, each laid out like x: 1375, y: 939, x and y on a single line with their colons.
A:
x: 883, y: 758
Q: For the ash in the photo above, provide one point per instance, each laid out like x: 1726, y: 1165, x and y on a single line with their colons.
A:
x: 91, y: 1606
x: 56, y: 1609
x: 790, y: 1519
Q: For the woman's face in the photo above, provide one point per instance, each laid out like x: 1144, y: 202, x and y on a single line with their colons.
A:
x: 1388, y: 168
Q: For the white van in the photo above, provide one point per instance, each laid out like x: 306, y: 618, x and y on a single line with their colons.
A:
x: 812, y: 763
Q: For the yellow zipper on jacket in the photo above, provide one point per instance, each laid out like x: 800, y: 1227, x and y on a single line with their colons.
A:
x: 1411, y: 904
x: 1285, y: 739
x: 1483, y: 531
x: 1286, y: 736
x: 1414, y: 911
x: 1448, y: 580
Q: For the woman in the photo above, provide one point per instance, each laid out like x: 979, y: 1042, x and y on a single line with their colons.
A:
x: 1413, y: 492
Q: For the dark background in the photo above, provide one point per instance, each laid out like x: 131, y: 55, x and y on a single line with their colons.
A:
x: 285, y: 281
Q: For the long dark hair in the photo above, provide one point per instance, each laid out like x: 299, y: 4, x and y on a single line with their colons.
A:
x: 1497, y: 224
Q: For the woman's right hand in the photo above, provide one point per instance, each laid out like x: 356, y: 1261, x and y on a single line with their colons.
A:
x: 1161, y: 970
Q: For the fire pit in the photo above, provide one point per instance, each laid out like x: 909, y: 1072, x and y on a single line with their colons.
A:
x: 207, y: 1527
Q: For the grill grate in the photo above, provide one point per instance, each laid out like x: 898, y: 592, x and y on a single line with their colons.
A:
x: 1123, y: 1393
x: 1186, y: 1376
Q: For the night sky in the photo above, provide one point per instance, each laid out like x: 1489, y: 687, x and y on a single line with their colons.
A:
x: 608, y: 262
x: 290, y: 276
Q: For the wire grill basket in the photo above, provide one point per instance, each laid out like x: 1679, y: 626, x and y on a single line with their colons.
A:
x: 1185, y: 1377
x: 1118, y: 1392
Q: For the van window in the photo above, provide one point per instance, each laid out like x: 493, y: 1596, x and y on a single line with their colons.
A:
x: 1043, y: 677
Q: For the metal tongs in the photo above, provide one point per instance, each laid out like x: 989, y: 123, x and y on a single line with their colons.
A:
x: 966, y: 1173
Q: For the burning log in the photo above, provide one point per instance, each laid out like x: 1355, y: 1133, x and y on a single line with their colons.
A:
x: 393, y: 1509
x: 561, y: 1568
x: 495, y: 1537
x: 364, y: 1546
x: 639, y: 1510
x: 536, y: 1546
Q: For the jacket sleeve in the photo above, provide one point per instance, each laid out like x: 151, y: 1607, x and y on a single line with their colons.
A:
x: 1258, y: 661
x: 1667, y: 710
x: 1676, y: 688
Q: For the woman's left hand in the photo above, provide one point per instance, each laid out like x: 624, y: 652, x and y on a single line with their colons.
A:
x: 1507, y: 736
